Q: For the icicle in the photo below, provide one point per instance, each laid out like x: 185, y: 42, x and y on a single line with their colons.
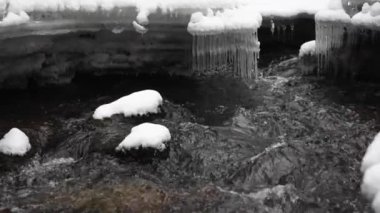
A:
x: 233, y: 52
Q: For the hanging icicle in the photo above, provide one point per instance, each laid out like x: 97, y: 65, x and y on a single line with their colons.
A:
x: 225, y: 42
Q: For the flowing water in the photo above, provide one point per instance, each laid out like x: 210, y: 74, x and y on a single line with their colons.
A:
x: 289, y: 144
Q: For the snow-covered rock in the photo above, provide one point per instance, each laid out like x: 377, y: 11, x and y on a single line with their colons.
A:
x: 15, y: 19
x: 137, y: 103
x: 371, y: 182
x: 146, y: 135
x: 371, y: 167
x: 372, y: 155
x: 15, y: 142
x: 369, y: 16
x: 307, y: 48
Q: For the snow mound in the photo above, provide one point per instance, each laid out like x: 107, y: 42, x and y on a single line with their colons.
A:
x: 229, y: 20
x: 137, y: 103
x: 15, y: 19
x: 15, y: 142
x: 369, y: 16
x: 372, y: 155
x: 146, y: 135
x: 371, y: 167
x: 371, y: 182
x: 307, y: 48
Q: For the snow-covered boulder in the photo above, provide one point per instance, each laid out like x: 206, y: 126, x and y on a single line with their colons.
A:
x: 15, y: 19
x: 137, y: 103
x: 15, y: 142
x: 146, y: 135
x: 372, y: 155
x: 307, y: 48
x: 371, y: 182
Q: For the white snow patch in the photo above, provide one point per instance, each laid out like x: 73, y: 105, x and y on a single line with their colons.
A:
x: 372, y: 155
x: 15, y: 142
x: 137, y: 103
x: 146, y: 135
x: 307, y: 48
x: 14, y: 19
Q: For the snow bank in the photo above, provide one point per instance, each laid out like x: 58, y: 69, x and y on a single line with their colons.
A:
x: 15, y: 142
x: 137, y: 103
x: 369, y: 16
x: 307, y: 48
x: 15, y: 19
x: 146, y: 135
x: 141, y: 5
x: 235, y: 20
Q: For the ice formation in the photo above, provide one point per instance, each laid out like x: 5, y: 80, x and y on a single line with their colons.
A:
x: 15, y: 142
x: 137, y: 103
x: 226, y: 40
x: 340, y: 38
x: 146, y: 135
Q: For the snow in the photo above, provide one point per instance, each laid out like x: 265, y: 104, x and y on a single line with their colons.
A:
x: 369, y: 16
x: 371, y: 182
x: 146, y: 135
x: 15, y: 19
x: 146, y: 7
x: 333, y: 16
x: 372, y: 155
x: 376, y: 203
x: 289, y: 8
x: 307, y: 48
x: 371, y: 169
x: 15, y: 142
x: 137, y: 103
x: 139, y: 28
x: 235, y: 20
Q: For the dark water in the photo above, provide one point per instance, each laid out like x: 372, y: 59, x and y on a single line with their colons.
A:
x: 290, y: 144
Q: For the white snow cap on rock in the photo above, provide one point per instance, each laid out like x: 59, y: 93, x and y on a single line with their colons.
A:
x: 15, y: 142
x: 146, y: 135
x: 307, y: 48
x: 372, y: 155
x: 137, y: 103
x: 229, y: 20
